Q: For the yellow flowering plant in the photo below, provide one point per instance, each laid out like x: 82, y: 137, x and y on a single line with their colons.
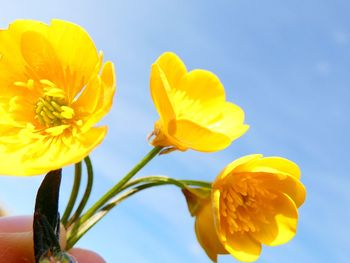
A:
x: 253, y: 201
x: 194, y: 113
x: 54, y: 88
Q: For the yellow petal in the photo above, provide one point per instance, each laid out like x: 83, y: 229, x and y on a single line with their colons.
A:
x: 200, y: 98
x: 76, y: 52
x: 109, y: 86
x: 206, y: 233
x: 202, y: 85
x: 277, y: 173
x: 243, y: 247
x: 284, y: 184
x: 198, y: 138
x: 231, y: 122
x: 97, y: 98
x: 224, y: 118
x: 108, y: 77
x: 74, y: 149
x: 18, y: 27
x: 40, y: 55
x: 89, y: 100
x: 56, y: 130
x: 159, y: 88
x: 233, y: 166
x: 172, y: 67
x: 275, y: 165
x: 12, y: 64
x: 282, y: 224
x: 41, y: 156
x: 216, y: 213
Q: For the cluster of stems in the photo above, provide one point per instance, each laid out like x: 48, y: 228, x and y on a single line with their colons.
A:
x: 79, y: 222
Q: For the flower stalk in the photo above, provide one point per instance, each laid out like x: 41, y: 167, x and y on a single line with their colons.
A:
x: 86, y: 195
x: 141, y: 183
x: 74, y: 193
x: 116, y: 188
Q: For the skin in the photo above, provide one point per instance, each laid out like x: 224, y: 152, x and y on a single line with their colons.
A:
x: 16, y: 242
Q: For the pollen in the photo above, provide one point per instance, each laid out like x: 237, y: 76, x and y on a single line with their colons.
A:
x: 243, y: 205
x: 52, y: 111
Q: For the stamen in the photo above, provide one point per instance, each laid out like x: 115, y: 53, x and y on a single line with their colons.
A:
x: 56, y: 106
x: 48, y: 83
x: 29, y: 84
x: 40, y: 118
x: 67, y: 112
x: 52, y: 112
x: 46, y: 103
x: 45, y: 118
x: 54, y: 92
x: 48, y: 113
x: 39, y: 107
x: 244, y: 205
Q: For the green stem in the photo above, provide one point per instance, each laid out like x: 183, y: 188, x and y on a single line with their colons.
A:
x: 196, y: 183
x: 167, y: 180
x: 74, y: 193
x: 150, y: 181
x: 75, y: 236
x: 116, y: 188
x: 85, y: 198
x: 153, y: 179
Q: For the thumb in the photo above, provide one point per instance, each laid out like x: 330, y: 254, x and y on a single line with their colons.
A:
x: 16, y: 242
x: 16, y: 247
x: 16, y: 239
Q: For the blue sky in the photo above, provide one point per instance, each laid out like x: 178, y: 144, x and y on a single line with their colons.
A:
x: 286, y: 63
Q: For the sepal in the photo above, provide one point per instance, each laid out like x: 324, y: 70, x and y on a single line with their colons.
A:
x: 196, y: 198
x: 46, y: 223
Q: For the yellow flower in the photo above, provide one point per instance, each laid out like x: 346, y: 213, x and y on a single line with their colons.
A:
x: 53, y: 89
x: 255, y: 202
x: 193, y: 110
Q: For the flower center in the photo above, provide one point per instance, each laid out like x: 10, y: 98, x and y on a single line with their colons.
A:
x: 245, y: 205
x: 51, y: 111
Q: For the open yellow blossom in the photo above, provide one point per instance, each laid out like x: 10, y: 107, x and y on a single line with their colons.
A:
x: 255, y: 202
x: 53, y: 89
x: 194, y: 113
